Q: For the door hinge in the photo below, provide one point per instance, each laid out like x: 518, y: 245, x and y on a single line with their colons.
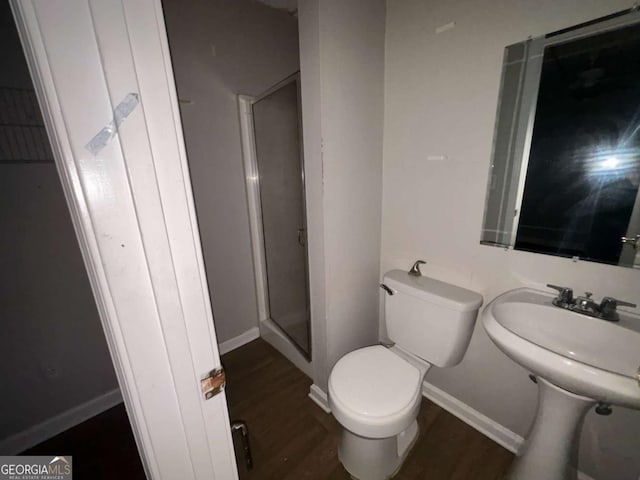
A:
x: 213, y: 383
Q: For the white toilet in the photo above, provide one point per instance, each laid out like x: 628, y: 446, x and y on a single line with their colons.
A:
x: 375, y: 392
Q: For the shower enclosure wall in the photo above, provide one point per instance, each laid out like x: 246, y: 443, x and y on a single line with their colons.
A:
x: 272, y: 148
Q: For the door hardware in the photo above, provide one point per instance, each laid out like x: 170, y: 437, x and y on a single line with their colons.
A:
x: 213, y: 383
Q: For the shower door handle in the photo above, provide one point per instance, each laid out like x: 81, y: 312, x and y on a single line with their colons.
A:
x: 302, y: 237
x: 633, y: 241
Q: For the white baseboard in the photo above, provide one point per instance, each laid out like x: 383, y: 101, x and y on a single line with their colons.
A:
x: 319, y: 397
x: 492, y: 429
x: 53, y: 426
x: 488, y: 427
x: 242, y: 339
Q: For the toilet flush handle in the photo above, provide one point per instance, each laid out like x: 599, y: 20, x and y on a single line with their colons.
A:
x: 387, y: 289
x: 415, y: 270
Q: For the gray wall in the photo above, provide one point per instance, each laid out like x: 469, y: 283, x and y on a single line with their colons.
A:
x: 440, y: 99
x: 219, y: 49
x: 54, y: 353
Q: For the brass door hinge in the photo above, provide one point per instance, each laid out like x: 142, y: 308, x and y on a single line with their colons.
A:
x: 213, y: 383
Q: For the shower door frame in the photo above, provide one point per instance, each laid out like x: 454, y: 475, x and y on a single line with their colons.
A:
x: 252, y: 178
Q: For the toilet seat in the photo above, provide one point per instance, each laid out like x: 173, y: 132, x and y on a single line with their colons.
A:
x: 375, y: 393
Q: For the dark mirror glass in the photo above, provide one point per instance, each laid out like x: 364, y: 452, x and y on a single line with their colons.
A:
x: 566, y: 163
x: 584, y: 164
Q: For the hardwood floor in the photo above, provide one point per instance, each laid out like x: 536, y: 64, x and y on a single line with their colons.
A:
x: 293, y: 439
x: 103, y: 447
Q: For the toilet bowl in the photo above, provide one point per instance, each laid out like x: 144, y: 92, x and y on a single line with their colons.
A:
x: 375, y: 392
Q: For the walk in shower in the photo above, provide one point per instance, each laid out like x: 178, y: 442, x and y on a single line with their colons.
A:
x: 272, y: 144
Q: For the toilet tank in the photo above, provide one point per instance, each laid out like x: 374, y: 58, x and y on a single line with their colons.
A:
x: 428, y: 318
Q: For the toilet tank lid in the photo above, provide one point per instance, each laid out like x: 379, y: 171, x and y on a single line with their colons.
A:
x: 434, y: 291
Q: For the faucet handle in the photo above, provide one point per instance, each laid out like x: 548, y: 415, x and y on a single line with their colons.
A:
x: 626, y: 304
x: 609, y: 305
x: 614, y: 302
x: 565, y: 294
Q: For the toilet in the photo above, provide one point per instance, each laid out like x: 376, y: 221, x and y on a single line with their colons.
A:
x: 375, y: 392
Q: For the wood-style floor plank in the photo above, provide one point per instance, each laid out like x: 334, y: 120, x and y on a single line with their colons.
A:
x: 103, y: 447
x: 293, y: 439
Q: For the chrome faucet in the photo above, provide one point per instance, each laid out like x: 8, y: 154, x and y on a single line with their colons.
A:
x: 606, y: 309
x: 584, y: 304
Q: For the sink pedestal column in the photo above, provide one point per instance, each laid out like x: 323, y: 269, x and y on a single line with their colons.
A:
x: 547, y: 451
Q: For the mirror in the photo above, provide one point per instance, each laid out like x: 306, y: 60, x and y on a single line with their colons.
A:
x: 565, y: 166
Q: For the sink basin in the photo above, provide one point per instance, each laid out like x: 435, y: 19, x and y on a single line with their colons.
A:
x: 585, y: 355
x: 578, y: 360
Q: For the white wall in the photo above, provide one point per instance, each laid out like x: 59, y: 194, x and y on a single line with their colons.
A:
x: 54, y: 355
x: 342, y: 51
x: 440, y: 99
x: 221, y: 48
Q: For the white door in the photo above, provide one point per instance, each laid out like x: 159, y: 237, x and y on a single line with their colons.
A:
x: 103, y: 76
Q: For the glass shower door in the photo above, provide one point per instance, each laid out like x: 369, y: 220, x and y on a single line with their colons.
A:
x: 276, y: 117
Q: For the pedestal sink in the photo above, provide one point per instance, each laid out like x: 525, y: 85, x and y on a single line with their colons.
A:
x: 578, y: 360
